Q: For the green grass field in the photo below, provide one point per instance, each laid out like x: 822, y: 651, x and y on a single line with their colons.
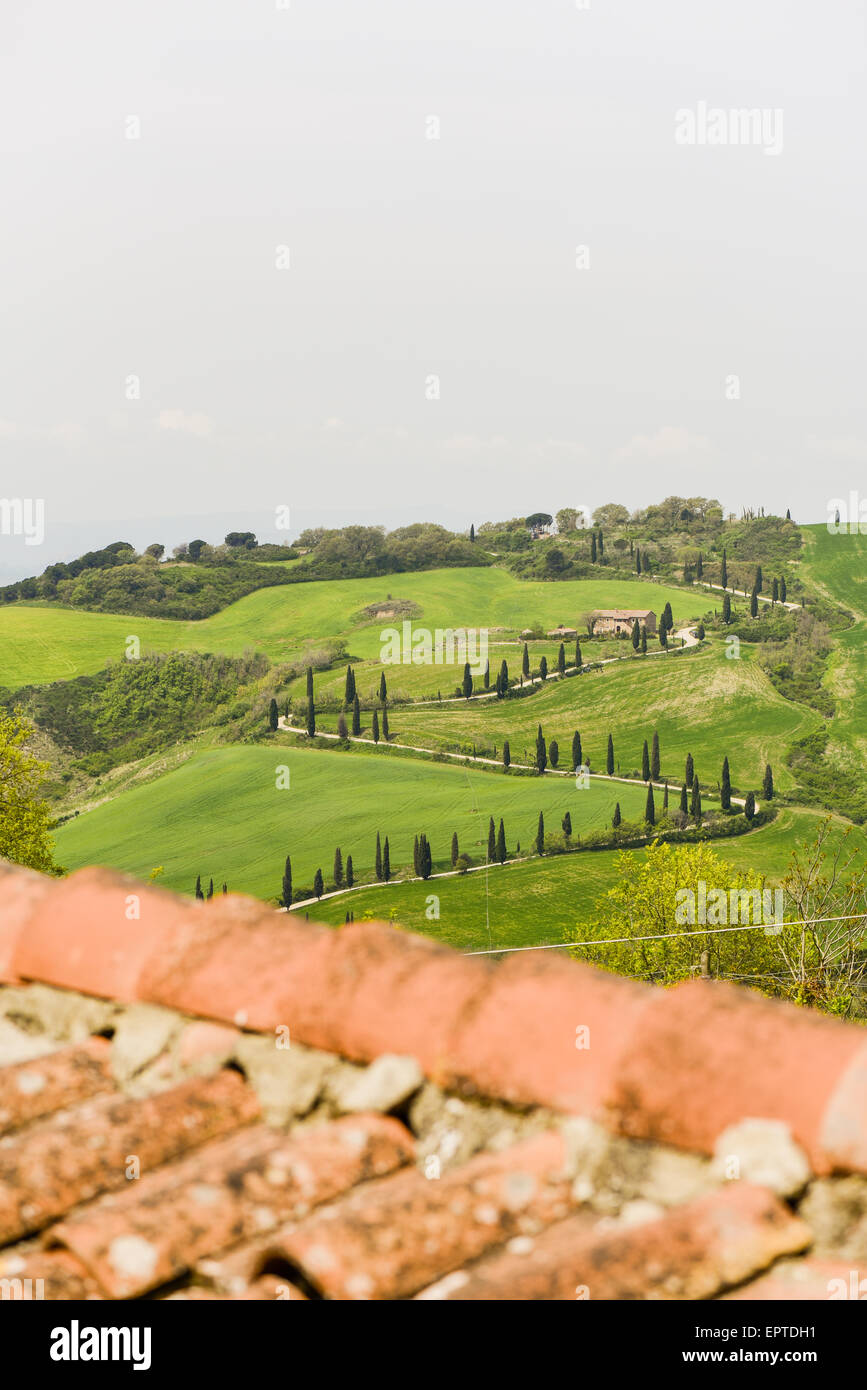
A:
x: 700, y: 702
x: 220, y: 814
x: 838, y: 566
x: 41, y: 643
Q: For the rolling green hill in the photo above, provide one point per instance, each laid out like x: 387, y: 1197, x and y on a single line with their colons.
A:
x: 837, y: 566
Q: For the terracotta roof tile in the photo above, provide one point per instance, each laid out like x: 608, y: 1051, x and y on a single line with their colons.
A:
x: 691, y: 1252
x: 84, y: 1151
x: 21, y: 891
x: 222, y: 1194
x: 390, y: 1239
x: 66, y: 1077
x: 807, y: 1280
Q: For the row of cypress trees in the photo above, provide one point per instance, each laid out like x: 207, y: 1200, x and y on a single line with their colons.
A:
x: 201, y: 894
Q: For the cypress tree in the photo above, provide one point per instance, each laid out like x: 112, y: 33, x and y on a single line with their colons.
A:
x: 684, y: 802
x: 375, y: 727
x: 663, y: 638
x: 645, y: 763
x: 540, y: 835
x: 593, y: 547
x: 649, y: 808
x: 727, y: 609
x: 775, y: 591
x: 665, y: 796
x: 287, y: 883
x: 318, y: 883
x: 561, y: 660
x: 310, y: 682
x: 768, y: 783
x: 487, y: 675
x: 759, y: 584
x: 273, y: 716
x: 467, y: 681
x: 210, y: 890
x: 616, y: 818
x: 553, y: 752
x: 501, y: 843
x: 567, y: 825
x: 609, y: 762
x: 654, y: 757
x: 749, y: 806
x: 690, y: 770
x: 415, y: 859
x: 576, y: 750
x: 541, y: 754
x: 667, y: 617
x: 311, y: 717
x: 386, y: 861
x: 338, y: 868
x: 225, y: 889
x: 425, y: 858
x: 577, y: 652
x: 349, y: 688
x: 525, y: 661
x: 754, y: 604
x: 724, y: 575
x: 725, y: 794
x: 350, y: 872
x: 699, y: 567
x: 543, y: 668
x: 643, y: 640
x: 492, y: 841
x: 788, y: 515
x: 385, y: 724
x: 504, y: 678
x: 383, y: 688
x: 695, y: 804
x: 637, y: 560
x: 636, y: 634
x: 199, y: 894
x: 378, y: 857
x: 507, y: 754
x: 782, y: 590
x: 472, y: 532
x: 455, y: 848
x: 699, y: 632
x: 356, y: 716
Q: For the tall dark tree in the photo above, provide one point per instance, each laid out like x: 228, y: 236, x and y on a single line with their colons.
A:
x: 385, y: 724
x: 577, y: 653
x: 749, y: 806
x: 663, y: 637
x: 576, y: 750
x: 467, y: 685
x: 225, y: 889
x: 504, y: 678
x: 593, y: 547
x: 472, y: 532
x: 609, y: 758
x: 775, y: 591
x: 501, y: 843
x: 273, y: 716
x: 724, y: 574
x: 649, y: 807
x: 645, y: 763
x: 383, y: 688
x: 616, y: 818
x: 760, y: 583
x: 561, y: 660
x: 492, y: 841
x: 487, y: 676
x: 665, y: 797
x: 643, y: 640
x: 210, y: 890
x: 425, y: 859
x: 553, y: 752
x: 725, y: 787
x: 541, y: 752
x: 654, y: 757
x: 356, y: 715
x: 350, y: 872
x: 690, y: 770
x: 637, y: 560
x: 455, y: 849
x: 684, y: 800
x: 695, y: 804
x: 525, y: 661
x: 788, y: 515
x: 378, y: 861
x: 386, y: 861
x: 318, y: 883
x: 699, y: 566
x: 567, y: 825
x: 540, y: 835
x: 338, y: 868
x: 754, y: 604
x: 727, y: 609
x: 668, y: 618
x: 349, y: 688
x: 636, y: 634
x: 768, y: 783
x: 783, y: 590
x: 600, y: 543
x: 507, y: 754
x: 543, y: 668
x: 375, y: 725
x: 287, y: 882
x: 310, y: 682
x: 311, y: 717
x: 415, y: 856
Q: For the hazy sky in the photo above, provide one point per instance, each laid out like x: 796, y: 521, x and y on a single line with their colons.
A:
x: 307, y: 127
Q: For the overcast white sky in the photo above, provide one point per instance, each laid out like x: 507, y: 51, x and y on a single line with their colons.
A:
x: 306, y: 127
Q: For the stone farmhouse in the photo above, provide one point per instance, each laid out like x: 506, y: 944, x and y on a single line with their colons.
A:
x: 621, y: 619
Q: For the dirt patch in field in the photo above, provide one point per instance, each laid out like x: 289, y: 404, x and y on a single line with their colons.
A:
x: 388, y: 608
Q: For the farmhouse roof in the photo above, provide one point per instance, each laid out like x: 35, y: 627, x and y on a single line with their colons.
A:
x: 431, y: 1131
x: 623, y: 613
